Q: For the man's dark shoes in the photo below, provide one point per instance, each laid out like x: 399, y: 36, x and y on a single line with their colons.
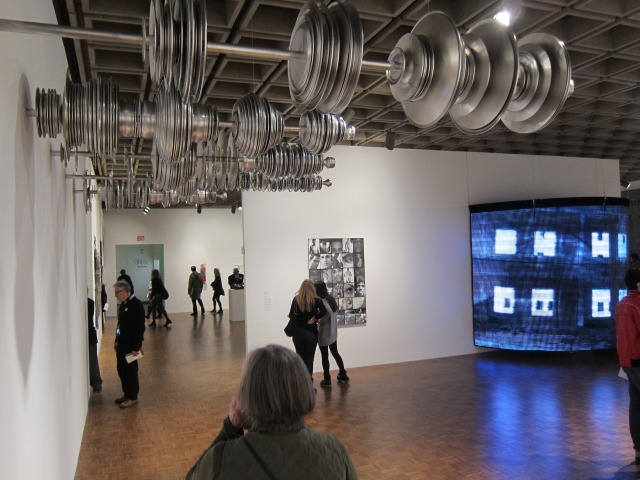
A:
x: 120, y: 400
x: 194, y: 314
x: 128, y: 403
x: 168, y: 323
x: 342, y: 377
x: 325, y: 383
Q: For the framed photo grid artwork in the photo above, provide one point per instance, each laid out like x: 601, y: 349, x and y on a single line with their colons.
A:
x: 339, y: 262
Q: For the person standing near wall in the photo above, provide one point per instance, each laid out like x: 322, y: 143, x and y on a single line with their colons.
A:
x: 124, y: 277
x: 194, y: 290
x: 627, y: 317
x: 328, y: 336
x: 306, y: 308
x: 236, y: 280
x: 95, y: 380
x: 217, y: 289
x: 129, y: 338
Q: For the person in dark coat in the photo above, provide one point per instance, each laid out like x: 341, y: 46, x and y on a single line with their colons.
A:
x: 129, y: 338
x: 194, y: 290
x: 157, y: 300
x: 95, y: 380
x: 236, y: 280
x: 124, y: 277
x: 306, y: 308
x: 217, y: 289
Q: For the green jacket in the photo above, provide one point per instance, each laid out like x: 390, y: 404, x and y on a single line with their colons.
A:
x: 288, y: 451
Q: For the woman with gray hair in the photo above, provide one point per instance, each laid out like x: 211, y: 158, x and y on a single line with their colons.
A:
x: 274, y: 396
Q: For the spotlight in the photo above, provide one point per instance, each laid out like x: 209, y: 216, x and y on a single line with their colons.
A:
x: 233, y: 209
x: 199, y: 208
x: 239, y: 206
x: 146, y: 210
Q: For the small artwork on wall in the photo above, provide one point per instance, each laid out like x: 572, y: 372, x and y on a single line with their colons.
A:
x: 339, y: 262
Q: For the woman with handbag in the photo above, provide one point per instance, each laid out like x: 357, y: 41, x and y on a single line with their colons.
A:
x: 275, y: 395
x: 217, y: 289
x: 158, y: 293
x: 306, y: 308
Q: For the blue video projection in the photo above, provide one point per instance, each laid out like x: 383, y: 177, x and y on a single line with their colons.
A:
x: 547, y: 274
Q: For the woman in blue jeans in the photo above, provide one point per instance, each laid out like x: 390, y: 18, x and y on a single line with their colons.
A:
x: 306, y: 308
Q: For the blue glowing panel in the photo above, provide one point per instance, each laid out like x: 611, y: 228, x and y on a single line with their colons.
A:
x: 544, y: 244
x: 506, y: 241
x: 548, y: 274
x: 622, y: 246
x: 600, y: 244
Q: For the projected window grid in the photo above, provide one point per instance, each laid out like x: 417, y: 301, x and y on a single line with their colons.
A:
x: 548, y: 278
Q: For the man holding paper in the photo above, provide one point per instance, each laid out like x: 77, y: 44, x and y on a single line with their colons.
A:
x: 128, y: 343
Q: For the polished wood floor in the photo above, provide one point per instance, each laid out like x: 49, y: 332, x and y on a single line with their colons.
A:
x: 496, y: 415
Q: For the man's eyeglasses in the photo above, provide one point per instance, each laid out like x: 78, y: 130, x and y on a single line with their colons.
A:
x: 118, y: 291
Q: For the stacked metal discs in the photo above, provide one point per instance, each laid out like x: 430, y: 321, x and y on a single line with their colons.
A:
x: 90, y: 115
x: 178, y: 44
x: 256, y: 125
x: 326, y: 45
x: 320, y: 131
x: 173, y: 124
x: 291, y: 160
x: 48, y: 113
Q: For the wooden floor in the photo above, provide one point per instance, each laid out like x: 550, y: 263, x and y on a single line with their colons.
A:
x: 496, y: 415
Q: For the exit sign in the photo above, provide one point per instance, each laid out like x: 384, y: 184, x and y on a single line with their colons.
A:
x: 140, y: 238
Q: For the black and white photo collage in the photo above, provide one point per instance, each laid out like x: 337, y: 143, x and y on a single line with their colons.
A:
x: 339, y: 262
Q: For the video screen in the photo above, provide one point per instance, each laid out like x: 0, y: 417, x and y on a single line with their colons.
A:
x: 547, y: 274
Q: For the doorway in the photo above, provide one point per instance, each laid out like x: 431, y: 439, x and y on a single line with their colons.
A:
x: 138, y: 261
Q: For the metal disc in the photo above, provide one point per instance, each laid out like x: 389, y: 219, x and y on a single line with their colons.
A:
x: 552, y: 60
x: 443, y: 37
x: 495, y: 52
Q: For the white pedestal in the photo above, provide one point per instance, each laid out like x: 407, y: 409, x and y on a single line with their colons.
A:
x: 236, y: 305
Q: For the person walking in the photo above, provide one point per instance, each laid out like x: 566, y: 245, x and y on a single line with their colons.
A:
x: 274, y: 396
x: 195, y: 290
x: 217, y: 289
x: 158, y: 293
x: 129, y: 338
x: 306, y: 308
x: 126, y: 278
x: 328, y: 336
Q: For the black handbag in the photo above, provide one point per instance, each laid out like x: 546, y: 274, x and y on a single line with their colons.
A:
x: 292, y: 327
x: 292, y: 324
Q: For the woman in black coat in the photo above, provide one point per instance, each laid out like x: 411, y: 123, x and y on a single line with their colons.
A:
x: 157, y: 299
x: 307, y: 308
x: 217, y: 289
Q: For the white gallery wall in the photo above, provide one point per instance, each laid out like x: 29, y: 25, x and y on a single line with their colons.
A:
x: 411, y: 208
x: 213, y: 237
x: 43, y: 274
